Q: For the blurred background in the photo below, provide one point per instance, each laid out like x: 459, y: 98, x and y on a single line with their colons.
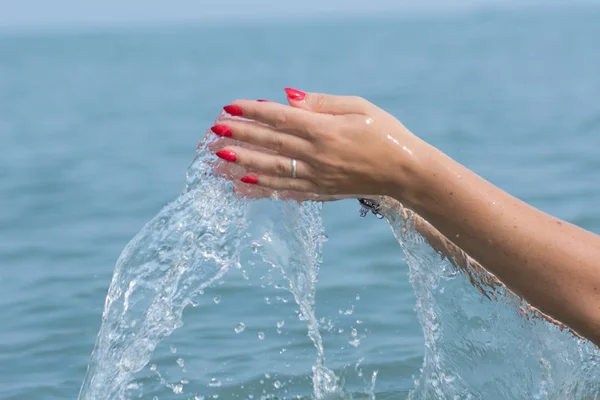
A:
x: 102, y: 105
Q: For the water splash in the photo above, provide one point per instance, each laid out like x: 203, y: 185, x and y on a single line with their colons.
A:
x: 190, y: 244
x: 301, y: 273
x: 487, y: 347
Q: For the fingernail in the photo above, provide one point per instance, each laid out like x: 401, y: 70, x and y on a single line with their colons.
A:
x: 295, y: 94
x: 226, y: 155
x: 221, y: 130
x: 233, y: 110
x: 250, y: 179
x: 262, y: 101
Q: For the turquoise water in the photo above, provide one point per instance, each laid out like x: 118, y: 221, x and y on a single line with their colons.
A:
x: 97, y: 130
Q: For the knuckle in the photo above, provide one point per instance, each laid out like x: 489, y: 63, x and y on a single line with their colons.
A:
x: 280, y: 167
x: 277, y: 143
x: 360, y: 101
x: 319, y: 102
x: 281, y: 119
x: 248, y: 162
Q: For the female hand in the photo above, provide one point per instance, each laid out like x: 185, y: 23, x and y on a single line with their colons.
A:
x: 234, y: 172
x: 348, y: 146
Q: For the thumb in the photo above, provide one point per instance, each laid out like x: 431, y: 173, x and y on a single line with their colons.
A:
x: 327, y: 103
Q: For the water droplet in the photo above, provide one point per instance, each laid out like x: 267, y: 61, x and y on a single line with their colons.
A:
x: 280, y: 324
x: 277, y: 384
x: 254, y: 247
x: 359, y: 321
x: 354, y: 340
x: 153, y: 367
x: 181, y: 362
x: 217, y: 299
x: 357, y: 296
x: 173, y: 349
x: 261, y: 335
x: 214, y: 382
x: 177, y: 388
x: 240, y: 328
x: 267, y: 375
x: 267, y: 300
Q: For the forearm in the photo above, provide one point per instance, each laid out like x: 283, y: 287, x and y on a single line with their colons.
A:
x: 552, y: 264
x: 478, y: 276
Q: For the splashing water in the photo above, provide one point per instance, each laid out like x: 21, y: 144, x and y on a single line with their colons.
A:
x: 301, y: 273
x: 488, y: 348
x: 475, y: 348
x: 190, y: 244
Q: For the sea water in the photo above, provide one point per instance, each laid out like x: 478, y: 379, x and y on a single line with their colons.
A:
x: 475, y: 334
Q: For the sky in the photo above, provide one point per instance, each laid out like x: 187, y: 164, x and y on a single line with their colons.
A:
x: 72, y: 13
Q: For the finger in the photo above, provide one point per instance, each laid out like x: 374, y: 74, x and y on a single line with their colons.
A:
x: 296, y: 121
x: 271, y: 164
x: 279, y: 183
x: 327, y: 103
x: 264, y: 136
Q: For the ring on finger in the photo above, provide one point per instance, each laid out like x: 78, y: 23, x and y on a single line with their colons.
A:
x: 293, y: 168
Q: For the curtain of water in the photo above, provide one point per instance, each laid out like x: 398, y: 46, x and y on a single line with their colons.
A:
x: 479, y: 347
x: 190, y: 244
x: 475, y: 347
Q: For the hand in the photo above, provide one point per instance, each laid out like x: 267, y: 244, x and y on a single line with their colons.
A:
x: 234, y: 172
x: 349, y: 146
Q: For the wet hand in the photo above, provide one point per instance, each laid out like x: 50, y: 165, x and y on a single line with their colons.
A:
x: 342, y: 145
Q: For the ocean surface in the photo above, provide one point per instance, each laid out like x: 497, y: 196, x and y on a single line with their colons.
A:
x: 98, y: 127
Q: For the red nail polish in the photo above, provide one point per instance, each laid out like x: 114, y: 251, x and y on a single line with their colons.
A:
x: 250, y: 179
x: 295, y: 94
x: 233, y: 110
x: 221, y: 130
x: 226, y: 155
x: 262, y: 101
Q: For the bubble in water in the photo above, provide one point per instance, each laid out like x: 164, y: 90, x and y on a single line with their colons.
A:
x: 240, y: 327
x: 261, y: 335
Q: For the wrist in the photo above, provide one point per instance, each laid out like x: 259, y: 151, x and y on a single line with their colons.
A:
x: 416, y: 172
